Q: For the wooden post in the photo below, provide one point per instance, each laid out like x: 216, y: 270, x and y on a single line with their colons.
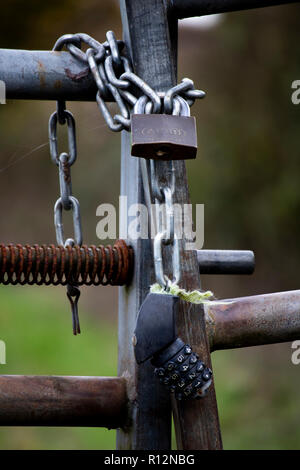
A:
x: 150, y: 406
x: 151, y: 41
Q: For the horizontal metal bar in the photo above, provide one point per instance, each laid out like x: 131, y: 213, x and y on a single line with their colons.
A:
x: 187, y: 8
x: 62, y: 401
x: 226, y: 261
x: 45, y: 75
x: 253, y: 321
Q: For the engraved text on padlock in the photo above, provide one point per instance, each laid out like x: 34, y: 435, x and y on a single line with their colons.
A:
x: 163, y: 136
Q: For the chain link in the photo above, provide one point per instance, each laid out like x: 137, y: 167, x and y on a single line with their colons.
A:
x: 165, y: 226
x: 59, y: 228
x: 68, y: 118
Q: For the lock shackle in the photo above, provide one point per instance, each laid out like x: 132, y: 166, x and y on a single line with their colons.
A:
x: 180, y: 106
x: 185, y: 110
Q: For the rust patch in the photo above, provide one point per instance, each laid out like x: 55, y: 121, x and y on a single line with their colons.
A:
x: 77, y: 77
x: 41, y: 72
x: 58, y: 265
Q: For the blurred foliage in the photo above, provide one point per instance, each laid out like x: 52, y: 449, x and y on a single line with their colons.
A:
x: 246, y: 173
x: 37, y: 329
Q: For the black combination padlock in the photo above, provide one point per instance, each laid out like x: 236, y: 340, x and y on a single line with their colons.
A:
x: 155, y: 337
x: 163, y: 136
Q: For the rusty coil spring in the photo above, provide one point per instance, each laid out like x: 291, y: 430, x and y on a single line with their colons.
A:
x: 82, y: 265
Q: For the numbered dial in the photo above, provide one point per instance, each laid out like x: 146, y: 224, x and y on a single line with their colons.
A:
x: 182, y: 371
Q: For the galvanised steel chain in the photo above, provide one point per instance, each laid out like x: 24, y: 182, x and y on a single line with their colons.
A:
x: 164, y: 224
x: 66, y: 201
x: 115, y: 78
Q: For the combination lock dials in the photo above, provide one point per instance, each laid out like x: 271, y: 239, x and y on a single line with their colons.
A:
x: 176, y: 365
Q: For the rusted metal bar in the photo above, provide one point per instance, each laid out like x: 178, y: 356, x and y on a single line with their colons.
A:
x: 62, y: 401
x: 95, y: 265
x: 83, y: 265
x: 46, y: 75
x: 254, y: 320
x: 226, y: 261
x: 188, y: 8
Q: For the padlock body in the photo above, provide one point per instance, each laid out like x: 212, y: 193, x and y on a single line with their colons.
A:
x: 155, y: 326
x: 155, y: 337
x: 163, y: 136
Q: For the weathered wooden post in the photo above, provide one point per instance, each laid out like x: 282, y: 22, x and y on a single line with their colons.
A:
x: 151, y: 38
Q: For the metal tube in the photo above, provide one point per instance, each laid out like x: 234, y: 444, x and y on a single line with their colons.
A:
x: 226, y: 261
x: 45, y: 75
x: 187, y: 8
x: 62, y: 401
x: 253, y: 321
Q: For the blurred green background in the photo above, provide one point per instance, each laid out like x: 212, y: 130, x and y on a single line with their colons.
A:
x: 247, y: 174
